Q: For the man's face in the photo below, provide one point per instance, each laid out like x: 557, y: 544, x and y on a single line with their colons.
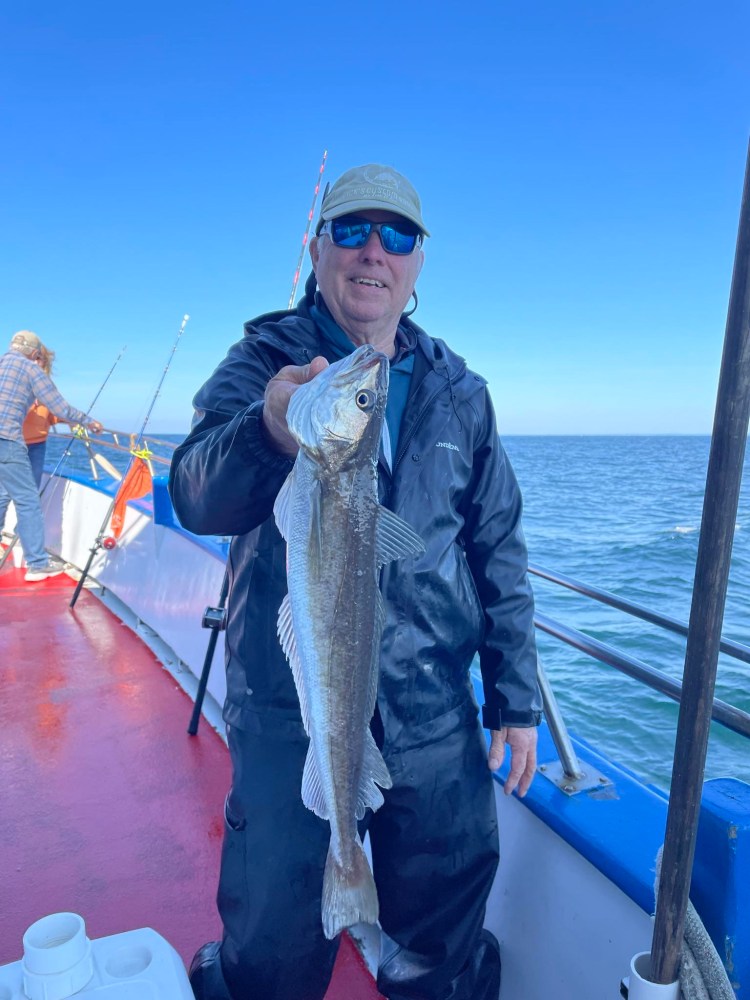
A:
x: 365, y: 288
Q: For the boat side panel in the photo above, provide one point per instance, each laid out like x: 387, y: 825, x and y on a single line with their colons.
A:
x: 618, y: 828
x: 721, y: 875
x: 160, y: 574
x: 564, y: 928
x: 618, y: 831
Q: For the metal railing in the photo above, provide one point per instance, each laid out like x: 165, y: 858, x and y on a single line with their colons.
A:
x: 731, y: 717
x: 120, y: 443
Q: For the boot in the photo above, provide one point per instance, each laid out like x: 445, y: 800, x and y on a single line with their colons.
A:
x: 205, y: 975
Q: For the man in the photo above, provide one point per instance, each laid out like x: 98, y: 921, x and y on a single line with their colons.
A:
x: 21, y: 382
x: 443, y: 470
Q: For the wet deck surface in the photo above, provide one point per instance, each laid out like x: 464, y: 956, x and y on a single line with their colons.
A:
x: 109, y: 808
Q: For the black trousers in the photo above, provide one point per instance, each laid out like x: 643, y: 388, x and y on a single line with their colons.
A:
x: 435, y: 851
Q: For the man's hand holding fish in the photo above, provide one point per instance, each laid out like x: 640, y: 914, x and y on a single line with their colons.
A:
x: 277, y: 395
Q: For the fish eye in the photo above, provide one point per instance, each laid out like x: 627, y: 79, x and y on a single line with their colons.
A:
x: 365, y: 399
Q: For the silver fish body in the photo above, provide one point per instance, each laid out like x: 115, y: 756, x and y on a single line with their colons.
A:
x: 331, y: 622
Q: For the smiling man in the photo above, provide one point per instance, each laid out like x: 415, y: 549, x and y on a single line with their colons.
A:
x: 443, y: 470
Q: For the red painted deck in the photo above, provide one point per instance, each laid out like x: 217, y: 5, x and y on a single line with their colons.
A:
x: 108, y: 808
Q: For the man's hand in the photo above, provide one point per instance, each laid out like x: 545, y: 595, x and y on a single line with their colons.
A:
x: 276, y: 400
x: 94, y: 426
x: 522, y: 743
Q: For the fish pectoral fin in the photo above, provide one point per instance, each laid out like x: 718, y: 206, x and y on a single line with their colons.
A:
x: 312, y: 789
x: 395, y: 538
x: 283, y: 505
x: 285, y: 631
x: 374, y: 773
x: 315, y: 551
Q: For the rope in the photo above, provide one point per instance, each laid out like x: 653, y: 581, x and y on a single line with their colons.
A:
x: 702, y: 973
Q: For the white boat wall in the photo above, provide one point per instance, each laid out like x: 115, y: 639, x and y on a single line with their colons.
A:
x: 574, y: 895
x: 161, y: 575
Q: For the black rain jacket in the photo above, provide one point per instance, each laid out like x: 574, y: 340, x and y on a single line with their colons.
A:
x: 451, y: 481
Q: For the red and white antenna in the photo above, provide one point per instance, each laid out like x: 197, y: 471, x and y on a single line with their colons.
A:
x: 307, y: 232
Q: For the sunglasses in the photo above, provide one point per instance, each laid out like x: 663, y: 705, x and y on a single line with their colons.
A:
x: 400, y: 237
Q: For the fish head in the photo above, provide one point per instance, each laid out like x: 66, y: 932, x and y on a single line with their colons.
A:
x: 340, y: 412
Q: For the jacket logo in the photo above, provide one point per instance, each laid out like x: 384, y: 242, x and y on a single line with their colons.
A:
x: 447, y: 444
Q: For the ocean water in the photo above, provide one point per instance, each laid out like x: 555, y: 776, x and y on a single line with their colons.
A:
x: 622, y: 514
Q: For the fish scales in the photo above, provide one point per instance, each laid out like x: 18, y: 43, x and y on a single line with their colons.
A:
x: 330, y: 624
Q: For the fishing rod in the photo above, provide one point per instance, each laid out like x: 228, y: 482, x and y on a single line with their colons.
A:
x: 66, y: 454
x: 215, y: 618
x: 307, y: 231
x: 108, y: 543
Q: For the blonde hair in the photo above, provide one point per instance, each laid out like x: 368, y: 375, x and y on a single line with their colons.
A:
x: 46, y: 359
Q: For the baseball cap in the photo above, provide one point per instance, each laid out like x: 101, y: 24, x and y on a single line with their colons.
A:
x: 373, y: 185
x: 25, y: 340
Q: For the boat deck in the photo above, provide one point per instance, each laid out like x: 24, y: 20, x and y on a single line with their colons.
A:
x: 109, y: 809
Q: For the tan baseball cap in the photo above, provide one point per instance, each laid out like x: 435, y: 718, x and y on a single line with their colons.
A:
x: 372, y: 186
x: 25, y: 341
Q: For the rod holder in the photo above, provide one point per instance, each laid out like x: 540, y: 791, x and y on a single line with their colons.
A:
x: 639, y: 987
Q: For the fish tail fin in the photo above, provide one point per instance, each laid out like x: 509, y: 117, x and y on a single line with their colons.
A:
x: 349, y: 895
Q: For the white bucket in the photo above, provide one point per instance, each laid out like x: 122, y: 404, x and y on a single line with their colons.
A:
x: 641, y: 988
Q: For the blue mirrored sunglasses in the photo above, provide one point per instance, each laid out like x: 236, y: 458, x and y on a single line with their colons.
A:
x: 400, y: 237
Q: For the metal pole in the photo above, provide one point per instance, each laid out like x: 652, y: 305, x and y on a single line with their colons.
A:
x: 558, y: 730
x: 707, y: 610
x: 215, y: 619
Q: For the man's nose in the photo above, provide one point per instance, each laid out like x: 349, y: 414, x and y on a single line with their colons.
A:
x: 373, y: 248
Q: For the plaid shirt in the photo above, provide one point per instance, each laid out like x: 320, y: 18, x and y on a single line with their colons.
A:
x: 21, y: 382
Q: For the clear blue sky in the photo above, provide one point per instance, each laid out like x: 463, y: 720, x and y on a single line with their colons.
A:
x: 580, y: 166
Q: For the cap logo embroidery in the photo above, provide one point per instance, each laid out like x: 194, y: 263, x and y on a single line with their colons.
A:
x: 382, y: 178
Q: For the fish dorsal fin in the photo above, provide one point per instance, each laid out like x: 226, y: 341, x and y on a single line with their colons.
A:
x: 374, y: 773
x: 283, y: 505
x: 312, y: 790
x: 395, y: 538
x: 285, y: 630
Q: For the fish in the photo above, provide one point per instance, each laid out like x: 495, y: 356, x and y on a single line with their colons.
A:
x: 330, y: 624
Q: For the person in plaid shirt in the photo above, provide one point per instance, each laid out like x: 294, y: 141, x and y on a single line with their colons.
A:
x: 21, y: 382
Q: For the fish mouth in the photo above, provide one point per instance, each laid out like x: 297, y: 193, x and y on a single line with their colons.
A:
x: 366, y: 357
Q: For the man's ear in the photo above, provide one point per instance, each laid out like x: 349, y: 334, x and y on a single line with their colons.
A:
x: 314, y: 251
x: 421, y: 263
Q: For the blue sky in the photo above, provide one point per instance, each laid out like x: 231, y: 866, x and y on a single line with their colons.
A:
x: 580, y: 166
